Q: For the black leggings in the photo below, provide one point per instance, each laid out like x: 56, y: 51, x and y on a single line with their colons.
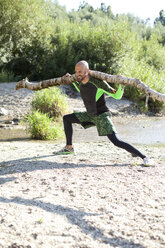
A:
x: 71, y: 118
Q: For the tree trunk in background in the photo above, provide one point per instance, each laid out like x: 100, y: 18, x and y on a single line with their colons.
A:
x: 117, y: 79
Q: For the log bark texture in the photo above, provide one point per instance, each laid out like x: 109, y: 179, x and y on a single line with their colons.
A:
x: 117, y: 79
x: 24, y: 83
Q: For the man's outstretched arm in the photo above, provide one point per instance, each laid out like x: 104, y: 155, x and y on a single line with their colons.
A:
x: 102, y: 84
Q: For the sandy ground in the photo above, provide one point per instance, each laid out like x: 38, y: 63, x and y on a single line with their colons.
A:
x: 100, y: 197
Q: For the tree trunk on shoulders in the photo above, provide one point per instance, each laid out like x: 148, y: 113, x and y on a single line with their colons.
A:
x: 117, y: 79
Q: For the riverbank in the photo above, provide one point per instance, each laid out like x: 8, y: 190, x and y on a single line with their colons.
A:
x: 17, y: 103
x: 130, y: 124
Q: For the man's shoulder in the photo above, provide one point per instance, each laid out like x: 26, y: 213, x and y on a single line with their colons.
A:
x: 97, y: 82
x: 93, y: 79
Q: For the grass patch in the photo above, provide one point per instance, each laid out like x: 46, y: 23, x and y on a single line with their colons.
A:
x: 44, y: 121
x: 41, y: 127
x: 50, y: 101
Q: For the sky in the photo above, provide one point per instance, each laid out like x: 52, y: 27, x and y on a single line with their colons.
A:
x: 141, y: 8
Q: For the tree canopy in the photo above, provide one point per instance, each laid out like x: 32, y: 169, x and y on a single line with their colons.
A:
x: 40, y: 39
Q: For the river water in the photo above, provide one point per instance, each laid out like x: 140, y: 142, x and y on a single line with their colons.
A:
x: 141, y: 130
x: 145, y: 131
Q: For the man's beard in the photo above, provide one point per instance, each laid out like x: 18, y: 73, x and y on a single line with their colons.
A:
x: 80, y: 79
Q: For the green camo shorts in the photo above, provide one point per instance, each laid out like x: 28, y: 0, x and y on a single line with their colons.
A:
x: 103, y: 122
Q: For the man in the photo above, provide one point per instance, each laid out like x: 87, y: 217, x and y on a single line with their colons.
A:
x: 97, y: 114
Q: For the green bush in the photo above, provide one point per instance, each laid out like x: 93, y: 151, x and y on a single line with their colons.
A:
x: 7, y: 77
x: 147, y: 74
x: 42, y: 127
x: 44, y: 121
x: 156, y: 106
x: 50, y: 101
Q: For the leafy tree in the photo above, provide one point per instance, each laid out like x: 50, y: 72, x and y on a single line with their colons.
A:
x: 40, y: 39
x: 153, y: 52
x: 159, y: 31
x: 161, y: 18
x: 25, y: 33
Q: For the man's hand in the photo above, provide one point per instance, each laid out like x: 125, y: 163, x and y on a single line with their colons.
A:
x: 66, y: 75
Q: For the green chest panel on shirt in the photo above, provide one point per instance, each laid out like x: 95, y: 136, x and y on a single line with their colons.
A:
x: 100, y: 91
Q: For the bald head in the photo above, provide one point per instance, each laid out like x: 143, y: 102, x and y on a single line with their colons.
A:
x: 83, y: 63
x: 82, y: 71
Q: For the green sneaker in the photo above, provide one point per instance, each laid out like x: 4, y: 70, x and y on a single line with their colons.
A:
x: 65, y: 151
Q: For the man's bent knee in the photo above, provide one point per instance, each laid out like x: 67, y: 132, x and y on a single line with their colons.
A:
x: 65, y: 118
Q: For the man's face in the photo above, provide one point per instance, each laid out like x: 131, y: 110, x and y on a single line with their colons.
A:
x: 81, y: 72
